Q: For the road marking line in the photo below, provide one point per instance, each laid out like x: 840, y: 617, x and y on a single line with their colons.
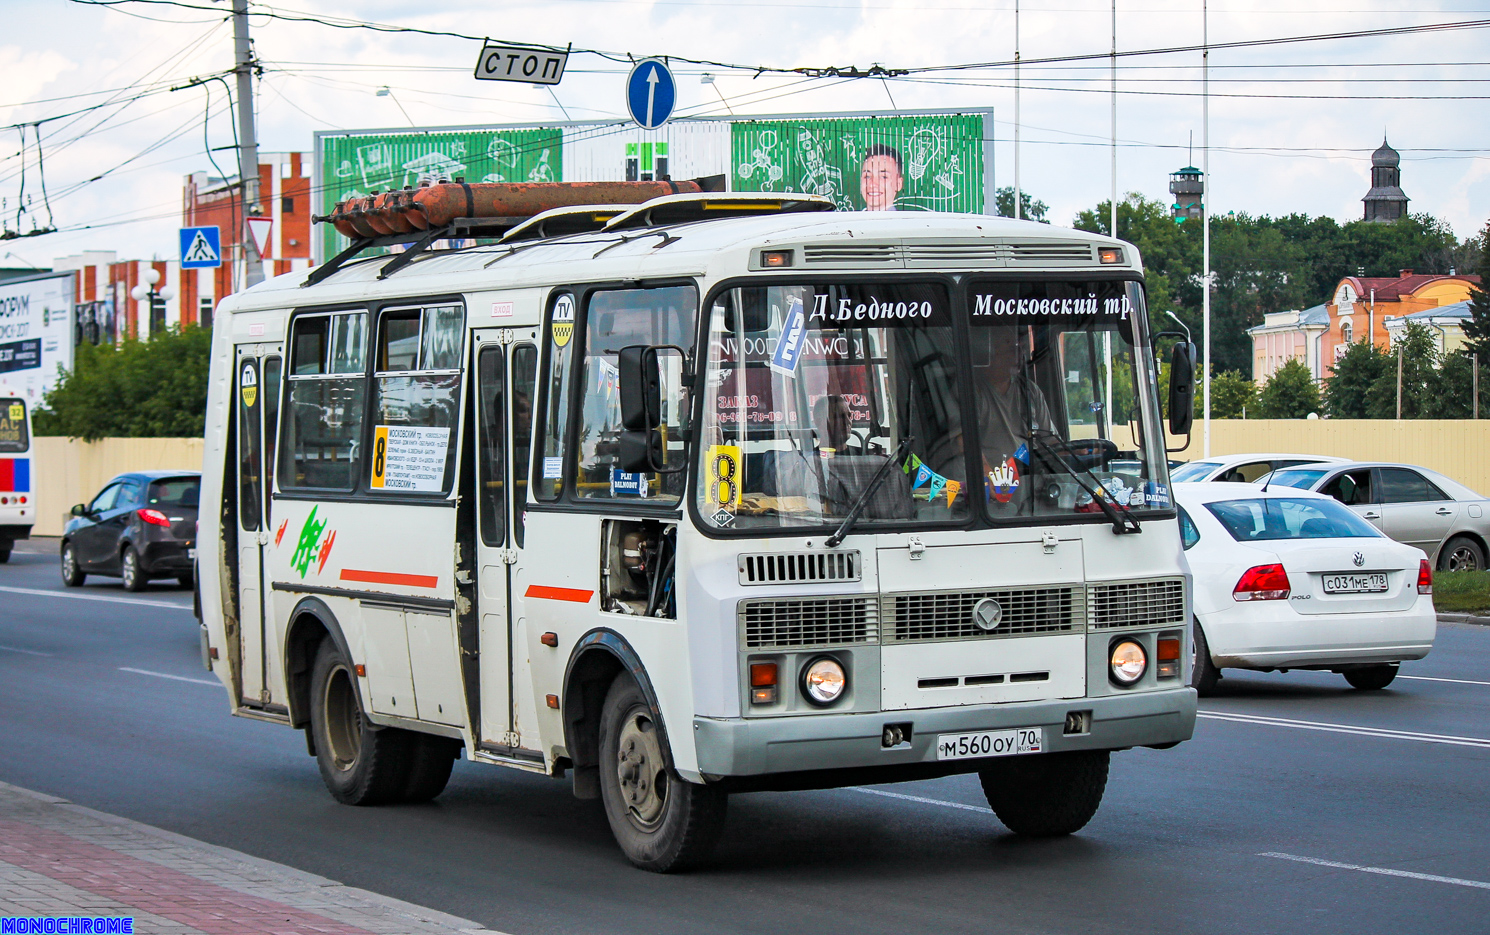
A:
x: 17, y: 649
x: 1431, y: 877
x: 923, y: 801
x: 174, y: 678
x: 1429, y: 678
x: 1382, y: 732
x: 96, y: 597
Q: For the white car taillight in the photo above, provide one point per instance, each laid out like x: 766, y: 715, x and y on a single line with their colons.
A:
x: 1425, y: 578
x: 1262, y: 583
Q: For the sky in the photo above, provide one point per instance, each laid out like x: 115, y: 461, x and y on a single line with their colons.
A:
x: 1292, y: 126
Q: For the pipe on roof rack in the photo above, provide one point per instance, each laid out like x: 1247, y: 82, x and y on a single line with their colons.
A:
x: 411, y: 209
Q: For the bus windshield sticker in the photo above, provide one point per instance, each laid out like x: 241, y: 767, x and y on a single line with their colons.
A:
x: 409, y: 457
x: 724, y: 477
x: 250, y: 384
x: 563, y: 323
x: 553, y: 468
x: 17, y: 412
x: 789, y: 345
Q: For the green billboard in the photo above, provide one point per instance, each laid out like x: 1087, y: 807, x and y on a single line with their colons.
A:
x: 911, y: 163
x: 353, y: 165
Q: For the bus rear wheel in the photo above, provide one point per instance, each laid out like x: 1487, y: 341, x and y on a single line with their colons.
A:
x: 662, y: 822
x: 360, y: 763
x: 1048, y: 794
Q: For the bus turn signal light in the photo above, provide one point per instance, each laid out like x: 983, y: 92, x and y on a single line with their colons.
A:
x: 1167, y: 651
x: 776, y: 259
x: 1110, y: 256
x: 1262, y: 583
x: 549, y: 639
x: 763, y: 683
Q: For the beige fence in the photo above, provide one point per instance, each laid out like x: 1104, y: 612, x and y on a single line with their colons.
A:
x: 1457, y: 448
x: 67, y: 471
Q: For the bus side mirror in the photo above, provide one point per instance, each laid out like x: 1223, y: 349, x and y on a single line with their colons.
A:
x: 1182, y: 388
x: 639, y: 380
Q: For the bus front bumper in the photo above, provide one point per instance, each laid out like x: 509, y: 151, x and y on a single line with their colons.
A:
x: 765, y: 746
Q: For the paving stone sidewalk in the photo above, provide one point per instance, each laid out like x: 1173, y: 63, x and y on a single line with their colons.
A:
x: 61, y: 859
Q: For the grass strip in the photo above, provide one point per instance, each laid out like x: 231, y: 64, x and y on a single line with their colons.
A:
x: 1462, y: 592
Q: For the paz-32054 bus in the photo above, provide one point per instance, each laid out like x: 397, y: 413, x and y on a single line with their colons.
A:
x: 699, y: 494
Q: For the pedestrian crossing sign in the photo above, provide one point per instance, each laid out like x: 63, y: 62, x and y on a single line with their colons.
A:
x: 201, y: 247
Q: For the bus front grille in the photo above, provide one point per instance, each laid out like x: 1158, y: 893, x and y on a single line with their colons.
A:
x: 1138, y: 603
x: 820, y: 621
x: 795, y: 567
x: 949, y: 615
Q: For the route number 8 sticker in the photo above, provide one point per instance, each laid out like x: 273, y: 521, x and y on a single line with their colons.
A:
x: 723, y: 476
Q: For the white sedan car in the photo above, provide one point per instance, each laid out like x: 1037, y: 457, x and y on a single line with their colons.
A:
x: 1243, y: 468
x: 1290, y: 579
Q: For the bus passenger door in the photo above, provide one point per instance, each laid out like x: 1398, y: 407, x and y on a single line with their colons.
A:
x: 258, y: 371
x: 505, y: 372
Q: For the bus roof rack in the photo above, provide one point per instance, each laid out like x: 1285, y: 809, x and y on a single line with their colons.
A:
x: 705, y: 206
x: 561, y: 222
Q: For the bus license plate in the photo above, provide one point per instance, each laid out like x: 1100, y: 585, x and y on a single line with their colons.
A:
x: 1355, y: 584
x: 990, y: 743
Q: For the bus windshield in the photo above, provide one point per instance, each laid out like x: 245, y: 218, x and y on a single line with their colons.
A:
x: 14, y: 438
x: 811, y: 388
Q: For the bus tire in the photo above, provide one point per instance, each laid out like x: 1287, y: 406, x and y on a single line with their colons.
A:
x: 360, y: 764
x: 1048, y: 794
x: 662, y: 822
x: 72, y: 575
x: 430, y: 760
x: 1203, y: 671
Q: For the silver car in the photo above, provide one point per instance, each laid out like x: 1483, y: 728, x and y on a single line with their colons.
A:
x: 1411, y: 504
x: 1242, y: 468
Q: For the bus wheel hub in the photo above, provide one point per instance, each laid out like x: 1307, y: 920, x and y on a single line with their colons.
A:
x: 639, y: 767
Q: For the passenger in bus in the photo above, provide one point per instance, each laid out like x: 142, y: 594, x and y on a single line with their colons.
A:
x: 847, y: 471
x: 881, y: 177
x: 1010, y: 408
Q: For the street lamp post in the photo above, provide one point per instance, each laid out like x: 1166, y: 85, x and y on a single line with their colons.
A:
x: 146, y: 291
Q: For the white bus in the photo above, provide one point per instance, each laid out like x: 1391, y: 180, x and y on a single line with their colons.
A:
x: 17, y: 496
x: 711, y: 494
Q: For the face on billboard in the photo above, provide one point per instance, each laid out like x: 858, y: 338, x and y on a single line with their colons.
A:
x: 880, y: 179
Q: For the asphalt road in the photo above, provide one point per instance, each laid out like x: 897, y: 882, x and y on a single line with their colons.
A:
x: 104, y: 701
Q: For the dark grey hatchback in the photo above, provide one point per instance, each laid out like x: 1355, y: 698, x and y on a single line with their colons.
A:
x: 140, y: 526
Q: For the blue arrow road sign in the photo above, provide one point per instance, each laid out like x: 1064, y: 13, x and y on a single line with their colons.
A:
x: 201, y: 247
x: 651, y: 93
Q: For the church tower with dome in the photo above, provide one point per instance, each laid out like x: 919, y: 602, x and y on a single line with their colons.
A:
x: 1385, y: 201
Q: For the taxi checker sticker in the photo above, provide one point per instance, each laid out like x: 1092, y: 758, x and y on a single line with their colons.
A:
x: 249, y: 383
x: 563, y: 322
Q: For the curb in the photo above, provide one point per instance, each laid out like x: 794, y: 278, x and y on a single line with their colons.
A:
x: 1475, y: 619
x: 411, y: 910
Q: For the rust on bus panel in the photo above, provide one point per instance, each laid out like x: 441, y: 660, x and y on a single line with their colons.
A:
x: 413, y: 209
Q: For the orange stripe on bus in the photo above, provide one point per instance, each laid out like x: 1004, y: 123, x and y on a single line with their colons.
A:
x: 559, y: 594
x: 389, y: 577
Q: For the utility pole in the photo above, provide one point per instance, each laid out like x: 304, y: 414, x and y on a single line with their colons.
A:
x: 1205, y: 208
x: 1475, y: 392
x: 1399, y: 378
x: 1113, y: 229
x: 248, y: 145
x: 1017, y: 198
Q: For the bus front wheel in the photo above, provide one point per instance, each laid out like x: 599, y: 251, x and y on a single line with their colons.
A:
x: 1047, y: 794
x: 360, y: 764
x: 662, y: 822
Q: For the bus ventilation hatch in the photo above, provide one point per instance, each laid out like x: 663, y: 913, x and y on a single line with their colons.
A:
x: 799, y: 567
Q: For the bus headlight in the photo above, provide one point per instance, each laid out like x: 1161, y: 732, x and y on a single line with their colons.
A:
x: 823, y: 681
x: 1128, y: 662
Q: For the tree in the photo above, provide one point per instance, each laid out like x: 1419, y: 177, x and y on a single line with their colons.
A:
x: 1477, y: 328
x: 1233, y: 396
x: 1452, y: 393
x: 1290, y: 393
x: 1417, y: 354
x: 141, y: 389
x: 1352, y: 377
x: 1029, y: 208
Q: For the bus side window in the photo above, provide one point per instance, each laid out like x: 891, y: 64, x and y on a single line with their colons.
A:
x: 489, y: 403
x: 555, y: 402
x: 327, y: 392
x: 417, y: 391
x: 615, y: 319
x: 524, y: 384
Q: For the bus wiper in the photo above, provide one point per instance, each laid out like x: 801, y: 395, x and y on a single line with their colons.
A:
x: 868, y: 491
x: 1122, y: 522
